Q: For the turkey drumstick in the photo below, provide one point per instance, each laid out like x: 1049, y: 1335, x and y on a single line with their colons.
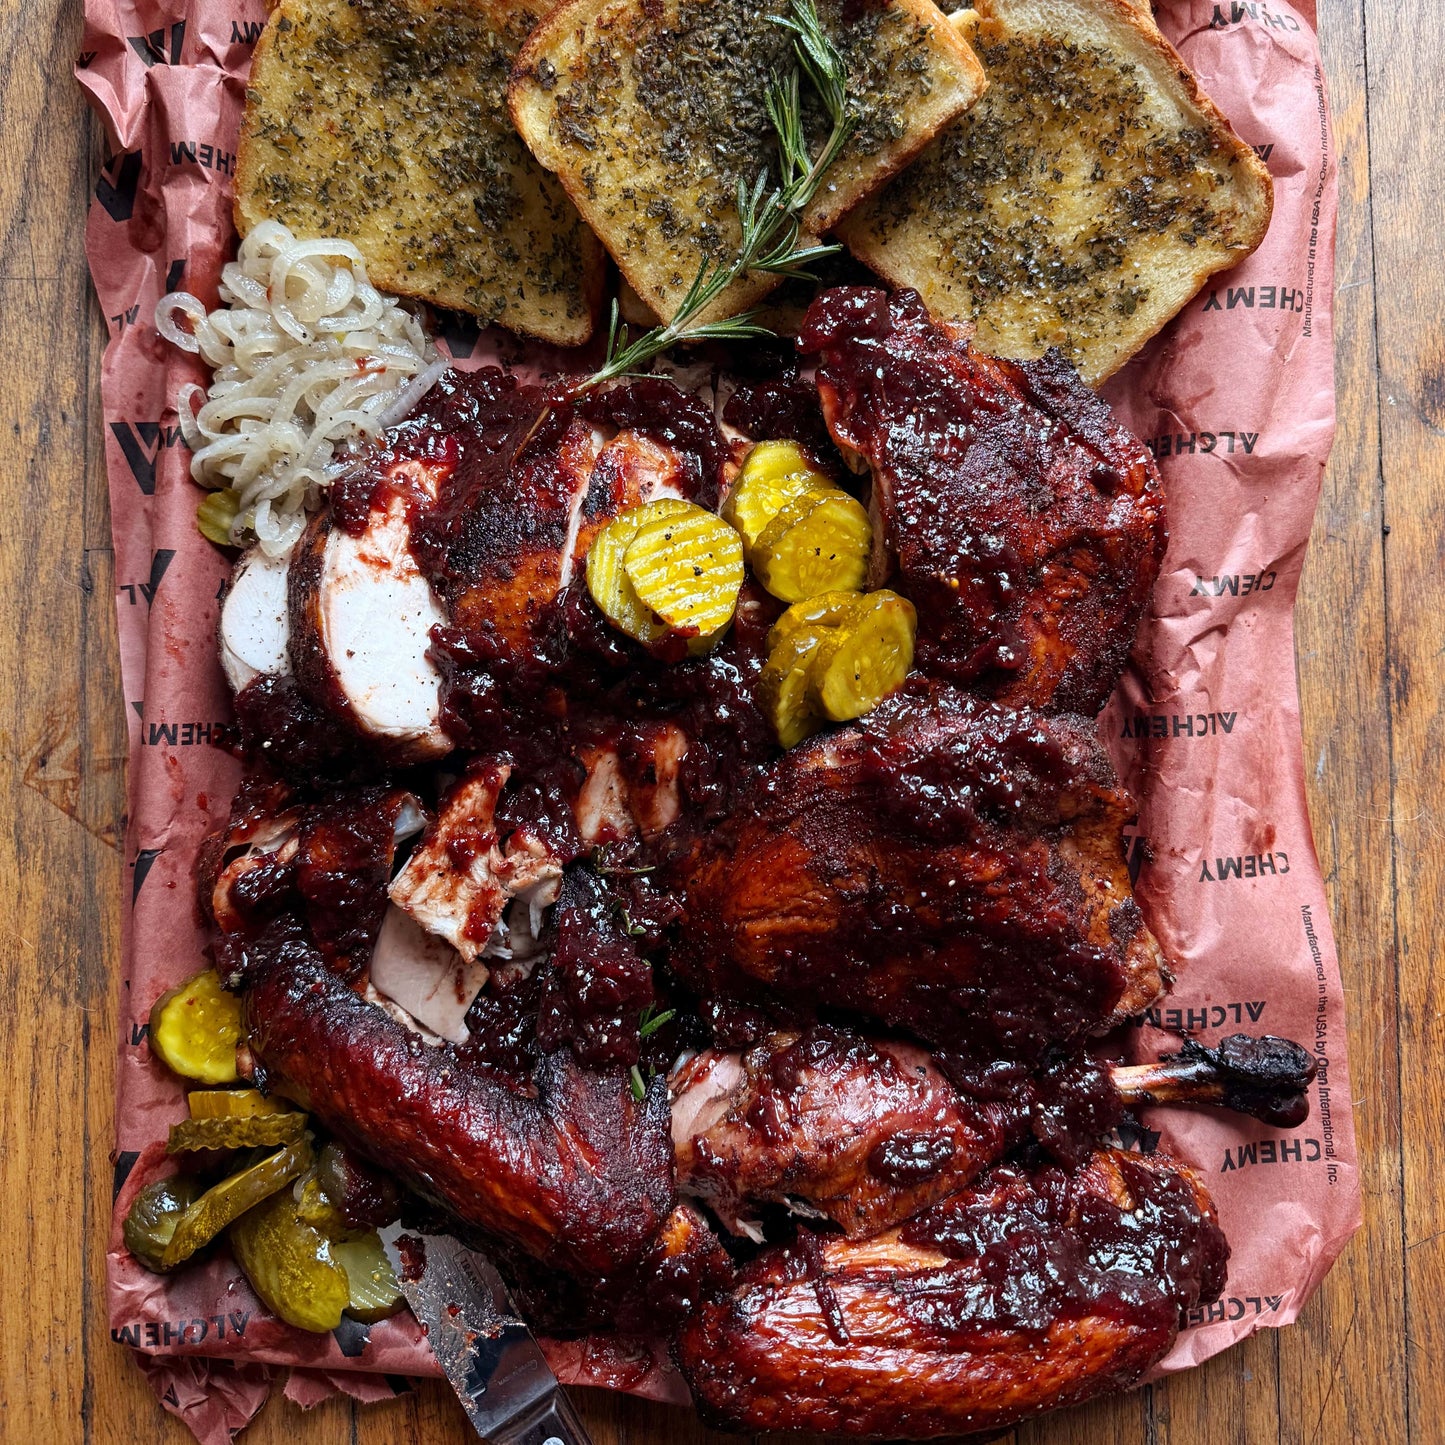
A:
x: 1265, y: 1077
x: 866, y: 1132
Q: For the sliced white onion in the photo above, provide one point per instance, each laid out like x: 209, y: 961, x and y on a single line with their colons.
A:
x: 307, y: 356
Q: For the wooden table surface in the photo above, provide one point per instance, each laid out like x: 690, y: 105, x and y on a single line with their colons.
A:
x: 1365, y: 1361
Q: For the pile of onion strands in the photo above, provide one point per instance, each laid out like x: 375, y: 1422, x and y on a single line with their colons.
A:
x: 309, y: 359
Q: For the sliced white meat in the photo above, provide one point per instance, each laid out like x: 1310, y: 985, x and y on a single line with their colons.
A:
x: 425, y: 976
x: 601, y: 809
x: 655, y: 799
x: 610, y: 806
x: 362, y: 615
x: 460, y: 878
x: 254, y: 631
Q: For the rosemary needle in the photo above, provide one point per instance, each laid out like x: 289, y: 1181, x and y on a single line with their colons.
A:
x: 770, y: 220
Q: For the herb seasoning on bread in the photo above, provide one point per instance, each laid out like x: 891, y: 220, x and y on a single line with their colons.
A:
x: 651, y: 114
x: 384, y: 122
x: 1082, y: 202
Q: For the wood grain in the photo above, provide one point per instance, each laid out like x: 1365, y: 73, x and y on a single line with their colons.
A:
x: 1366, y: 1360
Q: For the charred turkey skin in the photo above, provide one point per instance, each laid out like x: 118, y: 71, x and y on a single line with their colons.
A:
x: 1024, y: 521
x: 952, y: 867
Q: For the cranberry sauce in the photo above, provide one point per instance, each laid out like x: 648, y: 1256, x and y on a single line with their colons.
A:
x: 597, y: 981
x: 1046, y: 1245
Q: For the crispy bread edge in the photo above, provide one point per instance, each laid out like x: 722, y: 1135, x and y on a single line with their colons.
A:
x: 875, y: 255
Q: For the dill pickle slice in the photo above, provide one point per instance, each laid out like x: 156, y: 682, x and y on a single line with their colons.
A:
x: 687, y: 569
x: 290, y: 1266
x: 151, y: 1220
x: 315, y: 1206
x: 374, y: 1292
x: 859, y: 664
x: 816, y: 543
x: 773, y: 473
x: 216, y: 514
x: 236, y: 1104
x: 608, y: 583
x: 194, y: 1030
x: 783, y: 685
x: 827, y: 609
x: 224, y: 1203
x: 235, y: 1133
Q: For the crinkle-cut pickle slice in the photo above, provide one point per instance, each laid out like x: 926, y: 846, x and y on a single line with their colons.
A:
x: 608, y: 582
x: 289, y: 1264
x: 783, y: 686
x: 816, y: 543
x: 249, y: 1133
x: 223, y: 1204
x: 374, y: 1291
x: 687, y: 568
x: 827, y: 609
x: 194, y: 1030
x: 236, y: 1104
x: 859, y: 664
x: 773, y: 474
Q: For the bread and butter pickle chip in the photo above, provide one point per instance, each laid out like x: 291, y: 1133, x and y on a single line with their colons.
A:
x: 290, y: 1265
x: 782, y: 693
x: 194, y: 1029
x: 773, y: 473
x: 827, y: 609
x: 608, y: 582
x: 816, y: 543
x: 857, y: 665
x: 245, y: 1133
x: 236, y: 1104
x: 687, y: 569
x: 374, y: 1291
x: 151, y: 1220
x: 224, y: 1203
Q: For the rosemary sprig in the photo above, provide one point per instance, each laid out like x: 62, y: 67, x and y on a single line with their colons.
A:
x: 770, y: 219
x: 651, y: 1020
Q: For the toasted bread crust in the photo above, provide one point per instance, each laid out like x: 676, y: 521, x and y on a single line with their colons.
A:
x: 405, y: 147
x: 650, y: 111
x: 1088, y: 95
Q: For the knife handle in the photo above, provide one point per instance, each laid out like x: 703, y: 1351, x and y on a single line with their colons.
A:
x: 553, y: 1422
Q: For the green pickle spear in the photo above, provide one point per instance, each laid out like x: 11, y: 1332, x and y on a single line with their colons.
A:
x: 374, y: 1291
x: 224, y: 1203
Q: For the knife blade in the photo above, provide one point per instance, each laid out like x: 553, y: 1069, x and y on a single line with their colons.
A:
x: 484, y: 1347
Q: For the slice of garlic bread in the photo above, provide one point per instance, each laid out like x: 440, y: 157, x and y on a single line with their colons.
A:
x: 651, y: 111
x: 385, y: 122
x: 1082, y: 202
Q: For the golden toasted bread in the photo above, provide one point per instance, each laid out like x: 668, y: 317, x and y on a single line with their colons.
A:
x: 651, y: 112
x: 385, y: 122
x: 1082, y: 202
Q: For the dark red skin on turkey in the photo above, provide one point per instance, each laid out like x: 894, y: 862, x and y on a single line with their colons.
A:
x: 1026, y: 521
x: 572, y: 1170
x: 1029, y: 1291
x: 865, y: 1131
x: 951, y: 867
